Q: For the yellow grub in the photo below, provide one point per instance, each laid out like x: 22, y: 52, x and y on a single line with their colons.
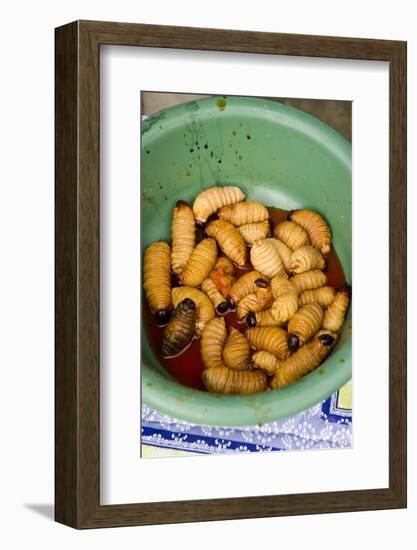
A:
x: 248, y: 303
x: 264, y: 296
x: 272, y: 339
x: 210, y: 289
x: 212, y: 342
x: 264, y: 319
x: 210, y: 200
x: 285, y: 299
x: 334, y: 316
x: 236, y: 352
x: 183, y: 236
x: 266, y: 361
x: 200, y: 264
x: 229, y: 239
x: 324, y: 296
x: 266, y: 259
x: 252, y: 232
x: 284, y: 252
x: 244, y: 213
x: 309, y: 280
x: 316, y: 227
x: 231, y: 381
x: 244, y: 285
x: 303, y: 361
x: 291, y: 234
x: 259, y: 300
x: 306, y: 258
x: 306, y: 322
x: 157, y: 276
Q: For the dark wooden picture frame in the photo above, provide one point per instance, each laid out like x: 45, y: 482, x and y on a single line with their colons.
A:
x: 77, y: 372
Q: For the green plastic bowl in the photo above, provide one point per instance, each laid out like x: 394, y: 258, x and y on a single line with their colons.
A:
x: 279, y: 156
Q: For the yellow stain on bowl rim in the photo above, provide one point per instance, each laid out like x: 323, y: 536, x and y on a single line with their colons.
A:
x: 221, y: 104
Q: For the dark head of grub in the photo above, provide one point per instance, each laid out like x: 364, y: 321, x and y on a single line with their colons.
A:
x: 326, y: 339
x: 251, y: 319
x: 232, y: 304
x: 187, y: 303
x: 199, y: 233
x: 222, y: 307
x: 181, y: 203
x: 175, y: 280
x: 347, y: 290
x: 293, y: 342
x: 213, y: 217
x: 179, y: 330
x: 162, y: 317
x: 262, y: 283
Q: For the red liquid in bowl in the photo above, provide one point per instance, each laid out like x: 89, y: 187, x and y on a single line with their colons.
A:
x: 188, y: 365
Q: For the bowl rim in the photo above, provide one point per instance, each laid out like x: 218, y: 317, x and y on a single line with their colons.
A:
x: 163, y: 393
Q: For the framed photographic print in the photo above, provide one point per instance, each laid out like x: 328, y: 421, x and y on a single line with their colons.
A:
x: 230, y: 274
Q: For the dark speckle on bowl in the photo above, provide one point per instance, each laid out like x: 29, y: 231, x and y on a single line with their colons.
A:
x: 192, y: 106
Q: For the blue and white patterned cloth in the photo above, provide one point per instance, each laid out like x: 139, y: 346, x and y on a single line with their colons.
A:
x: 326, y: 425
